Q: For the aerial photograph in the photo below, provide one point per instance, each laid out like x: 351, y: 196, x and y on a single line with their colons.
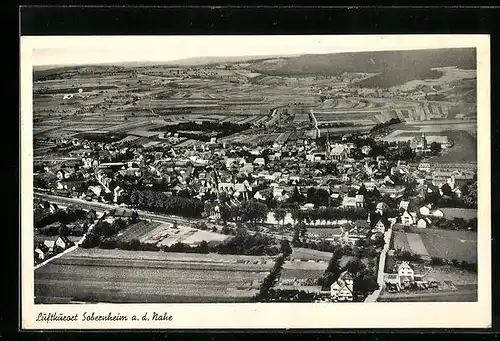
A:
x: 297, y: 177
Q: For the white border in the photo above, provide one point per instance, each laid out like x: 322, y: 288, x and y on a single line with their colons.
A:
x: 270, y: 315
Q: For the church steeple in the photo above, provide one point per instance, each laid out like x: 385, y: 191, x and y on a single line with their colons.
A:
x: 328, y: 147
x: 423, y: 141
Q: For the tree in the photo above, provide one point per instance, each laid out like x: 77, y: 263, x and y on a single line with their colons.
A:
x: 297, y: 215
x: 63, y: 230
x: 435, y: 148
x: 225, y: 212
x: 355, y: 266
x: 470, y: 196
x: 286, y: 249
x: 296, y: 196
x: 203, y: 247
x: 279, y: 215
x: 296, y: 237
x: 332, y: 271
x: 254, y: 211
x: 446, y: 189
x: 362, y: 190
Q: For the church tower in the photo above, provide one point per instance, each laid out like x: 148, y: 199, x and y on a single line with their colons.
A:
x: 328, y: 151
x: 423, y: 141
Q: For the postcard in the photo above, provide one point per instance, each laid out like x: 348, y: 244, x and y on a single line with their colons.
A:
x: 229, y: 182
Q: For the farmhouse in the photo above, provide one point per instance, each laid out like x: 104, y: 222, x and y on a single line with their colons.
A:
x: 405, y: 274
x: 343, y: 288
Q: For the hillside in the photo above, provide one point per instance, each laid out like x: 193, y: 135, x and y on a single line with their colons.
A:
x: 394, y: 67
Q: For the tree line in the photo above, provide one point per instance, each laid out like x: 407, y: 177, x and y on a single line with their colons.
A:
x: 265, y: 293
x: 224, y: 128
x: 162, y: 203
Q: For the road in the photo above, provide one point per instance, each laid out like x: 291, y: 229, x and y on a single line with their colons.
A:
x: 315, y: 123
x: 98, y: 206
x: 381, y: 267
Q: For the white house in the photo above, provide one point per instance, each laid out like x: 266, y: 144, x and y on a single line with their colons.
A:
x: 379, y: 227
x: 117, y: 192
x: 407, y: 218
x: 259, y: 196
x: 342, y: 289
x: 438, y: 213
x: 425, y: 210
x: 259, y: 161
x: 423, y: 223
x: 366, y: 149
x: 404, y: 205
x: 405, y: 274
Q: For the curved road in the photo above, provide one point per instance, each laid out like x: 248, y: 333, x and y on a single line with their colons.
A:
x: 315, y: 123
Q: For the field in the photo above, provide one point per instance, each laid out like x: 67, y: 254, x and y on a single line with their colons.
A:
x: 446, y: 244
x: 296, y: 274
x: 305, y: 254
x: 137, y: 101
x: 95, y: 275
x: 164, y: 234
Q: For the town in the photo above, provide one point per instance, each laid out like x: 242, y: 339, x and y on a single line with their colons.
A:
x: 222, y: 211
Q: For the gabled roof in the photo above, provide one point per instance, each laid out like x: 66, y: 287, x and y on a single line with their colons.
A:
x: 404, y: 265
x: 382, y: 206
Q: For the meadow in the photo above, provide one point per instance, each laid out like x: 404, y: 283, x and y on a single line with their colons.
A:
x: 95, y: 275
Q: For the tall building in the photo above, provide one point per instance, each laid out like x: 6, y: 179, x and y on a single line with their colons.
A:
x: 328, y: 151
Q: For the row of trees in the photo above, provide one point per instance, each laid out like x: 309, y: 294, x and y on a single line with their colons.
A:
x: 163, y: 203
x: 67, y: 216
x: 436, y: 261
x: 265, y: 293
x: 224, y: 128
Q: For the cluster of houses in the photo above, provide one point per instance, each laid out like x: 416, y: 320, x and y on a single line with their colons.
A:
x: 208, y: 170
x: 47, y: 246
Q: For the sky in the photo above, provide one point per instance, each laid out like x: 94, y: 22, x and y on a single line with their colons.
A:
x: 71, y: 50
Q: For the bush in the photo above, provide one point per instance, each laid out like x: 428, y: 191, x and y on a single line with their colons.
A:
x: 438, y: 261
x: 201, y: 226
x: 408, y: 256
x: 108, y: 243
